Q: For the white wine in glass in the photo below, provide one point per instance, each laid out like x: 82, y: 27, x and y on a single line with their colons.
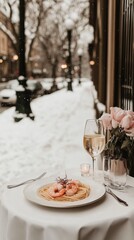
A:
x: 94, y: 138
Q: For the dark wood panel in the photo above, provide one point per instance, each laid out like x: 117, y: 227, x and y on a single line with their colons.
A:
x: 124, y: 62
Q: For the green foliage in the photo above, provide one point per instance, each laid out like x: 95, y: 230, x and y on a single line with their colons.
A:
x: 120, y: 146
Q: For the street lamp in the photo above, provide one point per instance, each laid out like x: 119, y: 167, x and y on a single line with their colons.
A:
x: 90, y: 52
x: 80, y: 53
x: 23, y: 108
x: 69, y: 23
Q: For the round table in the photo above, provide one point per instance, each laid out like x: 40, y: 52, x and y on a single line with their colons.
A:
x: 105, y: 219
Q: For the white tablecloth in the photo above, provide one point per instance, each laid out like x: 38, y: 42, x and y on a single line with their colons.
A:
x: 104, y: 220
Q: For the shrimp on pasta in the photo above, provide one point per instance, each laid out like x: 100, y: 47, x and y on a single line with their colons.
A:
x: 56, y: 190
x: 72, y: 190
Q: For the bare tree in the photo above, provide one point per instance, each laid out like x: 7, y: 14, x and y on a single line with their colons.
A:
x: 9, y: 9
x: 52, y: 30
x: 45, y: 22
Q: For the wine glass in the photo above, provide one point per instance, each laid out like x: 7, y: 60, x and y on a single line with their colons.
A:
x: 94, y: 138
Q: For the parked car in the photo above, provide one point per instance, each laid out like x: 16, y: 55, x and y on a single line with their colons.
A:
x: 49, y: 87
x: 8, y: 95
x: 47, y: 84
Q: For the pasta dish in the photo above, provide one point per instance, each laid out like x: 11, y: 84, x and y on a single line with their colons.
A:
x: 64, y: 190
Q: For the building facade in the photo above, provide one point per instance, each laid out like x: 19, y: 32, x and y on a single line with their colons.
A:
x: 113, y: 51
x: 3, y: 50
x: 8, y: 56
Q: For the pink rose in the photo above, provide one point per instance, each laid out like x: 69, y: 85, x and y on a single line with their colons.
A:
x: 130, y: 113
x: 115, y: 124
x: 131, y: 131
x: 117, y: 114
x: 127, y: 122
x: 107, y: 120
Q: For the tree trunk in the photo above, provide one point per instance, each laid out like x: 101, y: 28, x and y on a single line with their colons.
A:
x: 54, y: 69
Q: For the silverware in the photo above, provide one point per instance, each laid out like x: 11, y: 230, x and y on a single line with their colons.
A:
x: 108, y: 190
x: 25, y: 182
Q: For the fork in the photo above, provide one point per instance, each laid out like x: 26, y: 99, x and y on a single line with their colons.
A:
x: 27, y: 181
x: 108, y: 190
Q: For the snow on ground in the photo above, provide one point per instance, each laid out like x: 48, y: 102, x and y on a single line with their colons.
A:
x: 53, y: 139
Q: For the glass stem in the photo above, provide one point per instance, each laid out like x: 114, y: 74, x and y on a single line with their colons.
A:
x: 93, y: 159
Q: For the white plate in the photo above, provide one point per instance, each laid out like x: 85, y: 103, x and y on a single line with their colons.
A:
x: 30, y: 192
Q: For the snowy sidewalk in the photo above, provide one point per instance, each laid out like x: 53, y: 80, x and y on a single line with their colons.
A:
x: 53, y: 139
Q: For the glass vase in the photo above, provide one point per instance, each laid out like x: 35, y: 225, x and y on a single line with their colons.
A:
x: 106, y: 169
x: 117, y: 173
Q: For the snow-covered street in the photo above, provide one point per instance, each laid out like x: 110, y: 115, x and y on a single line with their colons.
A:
x: 53, y: 139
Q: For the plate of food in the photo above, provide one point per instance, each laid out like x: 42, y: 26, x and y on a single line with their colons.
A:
x: 64, y: 192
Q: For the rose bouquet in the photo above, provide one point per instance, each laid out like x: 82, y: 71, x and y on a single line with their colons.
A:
x: 120, y: 125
